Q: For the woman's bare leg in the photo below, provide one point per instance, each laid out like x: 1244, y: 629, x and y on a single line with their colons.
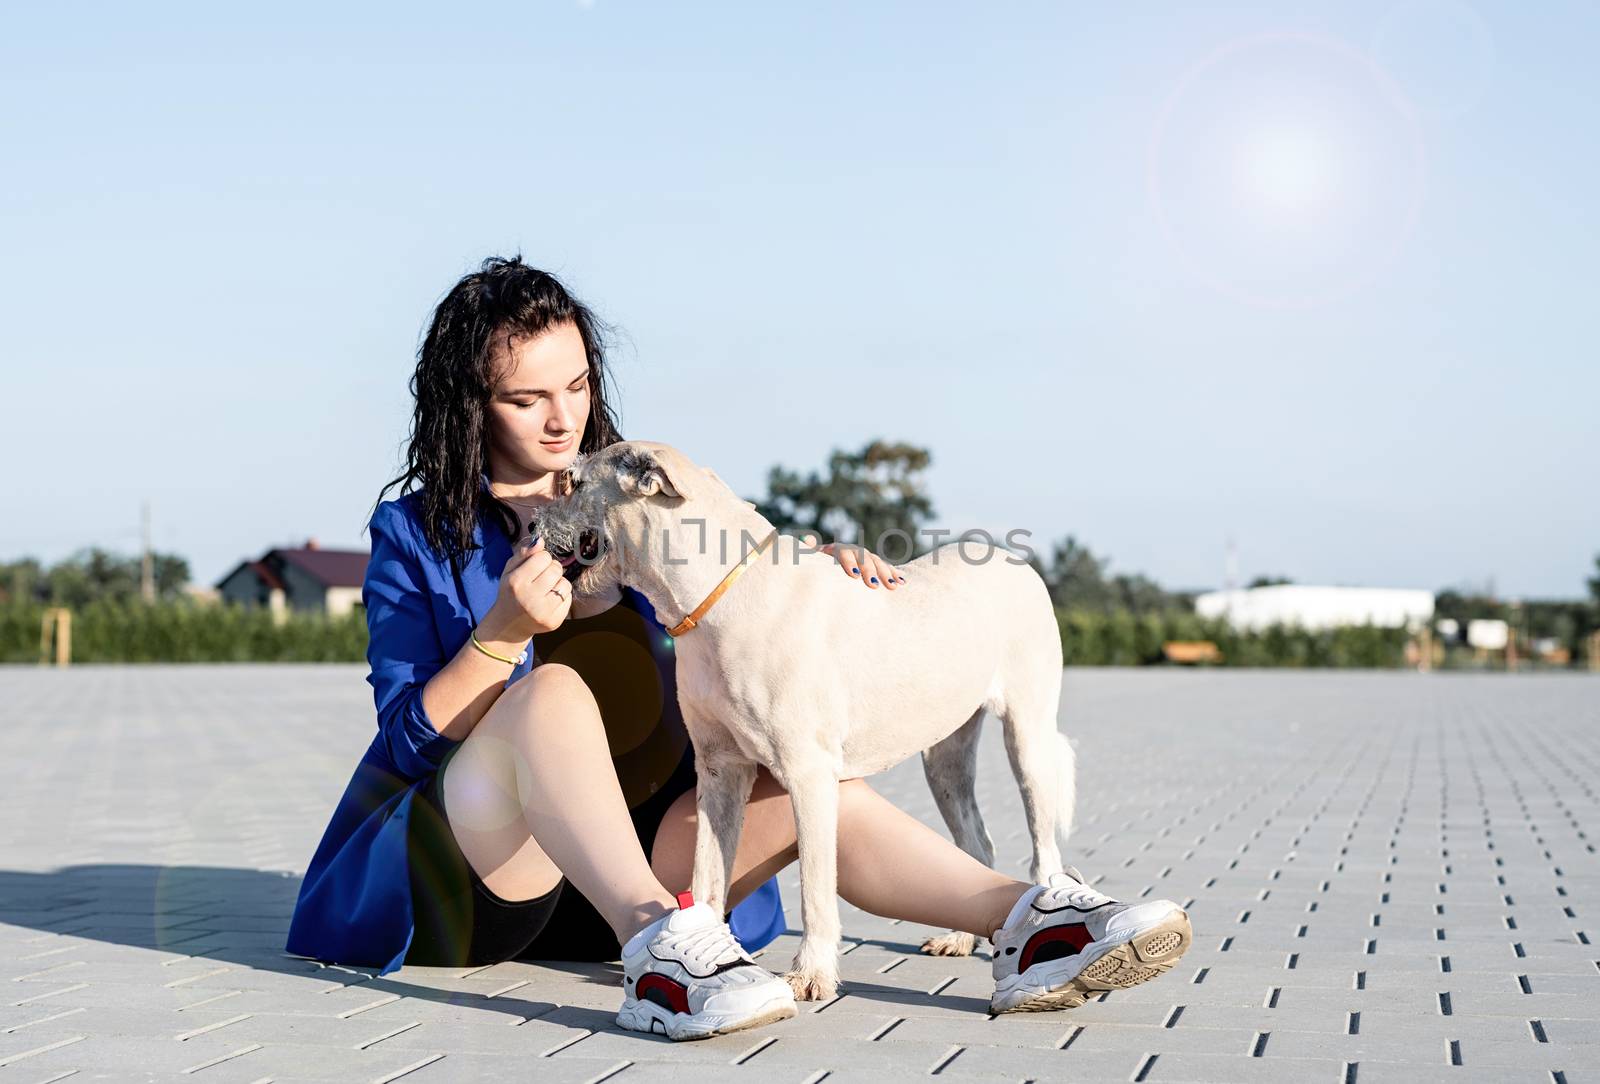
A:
x: 890, y: 863
x: 532, y: 794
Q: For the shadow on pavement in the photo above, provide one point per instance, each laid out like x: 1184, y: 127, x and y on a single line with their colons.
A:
x: 241, y: 917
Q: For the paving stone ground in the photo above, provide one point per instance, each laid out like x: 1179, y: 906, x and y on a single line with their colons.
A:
x: 1391, y: 877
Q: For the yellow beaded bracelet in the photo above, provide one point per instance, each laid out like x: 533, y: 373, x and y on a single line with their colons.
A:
x: 522, y: 656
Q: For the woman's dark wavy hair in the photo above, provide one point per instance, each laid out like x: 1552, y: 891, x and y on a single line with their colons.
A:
x: 447, y: 450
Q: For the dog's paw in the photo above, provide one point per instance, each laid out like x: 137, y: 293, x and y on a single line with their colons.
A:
x: 811, y: 986
x: 954, y: 943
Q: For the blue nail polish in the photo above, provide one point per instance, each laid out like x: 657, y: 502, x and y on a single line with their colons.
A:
x: 874, y: 579
x: 855, y: 572
x: 902, y: 579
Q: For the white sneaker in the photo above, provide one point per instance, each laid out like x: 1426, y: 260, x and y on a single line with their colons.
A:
x: 686, y: 976
x: 1064, y: 942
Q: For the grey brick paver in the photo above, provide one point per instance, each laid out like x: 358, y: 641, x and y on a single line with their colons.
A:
x: 1043, y: 1031
x: 482, y: 1069
x: 1344, y: 842
x: 1167, y: 1068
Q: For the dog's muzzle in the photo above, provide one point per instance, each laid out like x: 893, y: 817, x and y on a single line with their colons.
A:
x: 591, y: 548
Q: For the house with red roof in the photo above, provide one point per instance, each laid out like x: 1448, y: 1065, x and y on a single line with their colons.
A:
x: 310, y: 579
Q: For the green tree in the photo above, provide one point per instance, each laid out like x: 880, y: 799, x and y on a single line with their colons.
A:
x: 1080, y: 580
x: 21, y: 581
x: 1076, y: 577
x: 1139, y: 594
x: 865, y: 495
x: 97, y: 575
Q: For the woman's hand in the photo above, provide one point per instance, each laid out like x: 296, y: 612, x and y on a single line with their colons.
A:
x: 859, y: 562
x: 534, y: 596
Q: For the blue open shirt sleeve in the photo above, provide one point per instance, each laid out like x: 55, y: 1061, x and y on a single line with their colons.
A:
x: 403, y: 646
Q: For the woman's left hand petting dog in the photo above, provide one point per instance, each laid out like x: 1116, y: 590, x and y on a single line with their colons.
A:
x: 859, y: 562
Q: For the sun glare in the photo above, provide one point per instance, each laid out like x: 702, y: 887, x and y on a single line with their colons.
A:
x: 1286, y: 169
x: 1290, y: 170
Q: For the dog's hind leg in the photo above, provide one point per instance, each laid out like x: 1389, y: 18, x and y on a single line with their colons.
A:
x: 951, y: 767
x: 1067, y: 802
x: 1039, y: 759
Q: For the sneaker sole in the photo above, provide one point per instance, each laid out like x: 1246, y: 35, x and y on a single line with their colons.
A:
x: 1140, y: 958
x: 647, y: 1016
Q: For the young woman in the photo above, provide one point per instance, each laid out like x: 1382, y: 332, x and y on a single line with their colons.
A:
x: 530, y: 790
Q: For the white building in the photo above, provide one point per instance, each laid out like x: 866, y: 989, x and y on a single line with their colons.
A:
x: 1490, y: 634
x: 1317, y: 607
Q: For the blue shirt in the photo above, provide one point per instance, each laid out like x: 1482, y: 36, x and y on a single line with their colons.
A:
x: 355, y: 905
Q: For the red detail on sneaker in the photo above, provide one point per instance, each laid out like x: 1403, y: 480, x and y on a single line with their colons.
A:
x: 665, y: 992
x: 1072, y: 934
x: 685, y: 899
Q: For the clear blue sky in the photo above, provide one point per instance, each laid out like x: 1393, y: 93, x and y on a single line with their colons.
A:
x: 1311, y: 273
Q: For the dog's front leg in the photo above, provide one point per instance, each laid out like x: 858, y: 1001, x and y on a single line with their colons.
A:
x: 722, y: 789
x: 814, y: 796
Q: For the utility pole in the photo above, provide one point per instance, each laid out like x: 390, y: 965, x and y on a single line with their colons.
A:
x: 147, y: 569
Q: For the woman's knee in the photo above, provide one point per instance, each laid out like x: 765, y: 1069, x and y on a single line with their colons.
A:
x: 549, y: 693
x: 552, y: 679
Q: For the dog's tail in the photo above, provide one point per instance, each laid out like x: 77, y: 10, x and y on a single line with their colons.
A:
x: 1066, y: 786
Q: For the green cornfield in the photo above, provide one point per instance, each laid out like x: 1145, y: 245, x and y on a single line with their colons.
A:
x: 184, y: 632
x: 187, y: 632
x: 1119, y: 638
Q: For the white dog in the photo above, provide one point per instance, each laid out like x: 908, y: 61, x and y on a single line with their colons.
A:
x: 766, y: 638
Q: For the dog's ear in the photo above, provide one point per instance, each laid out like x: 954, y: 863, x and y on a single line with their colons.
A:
x: 642, y: 474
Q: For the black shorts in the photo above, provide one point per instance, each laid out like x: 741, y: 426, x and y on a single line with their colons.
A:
x: 460, y: 923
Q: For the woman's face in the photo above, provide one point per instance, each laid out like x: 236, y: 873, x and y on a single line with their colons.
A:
x: 540, y: 403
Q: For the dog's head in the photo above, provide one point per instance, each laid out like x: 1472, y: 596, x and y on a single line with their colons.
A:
x: 625, y: 509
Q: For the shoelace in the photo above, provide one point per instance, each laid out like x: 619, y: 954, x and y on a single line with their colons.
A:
x: 1075, y: 891
x: 710, y: 945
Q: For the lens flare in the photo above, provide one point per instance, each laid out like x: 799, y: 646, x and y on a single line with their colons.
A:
x: 1285, y: 170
